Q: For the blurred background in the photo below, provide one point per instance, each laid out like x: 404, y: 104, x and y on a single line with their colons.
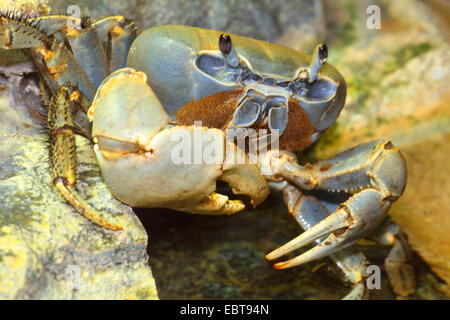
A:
x: 398, y: 75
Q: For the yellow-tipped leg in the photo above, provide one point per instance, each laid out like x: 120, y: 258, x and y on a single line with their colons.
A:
x: 216, y: 204
x: 86, y: 210
x: 62, y: 153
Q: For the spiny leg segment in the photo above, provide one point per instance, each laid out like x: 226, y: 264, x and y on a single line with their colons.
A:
x: 63, y: 153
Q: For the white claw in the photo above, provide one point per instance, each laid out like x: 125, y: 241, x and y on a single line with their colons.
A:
x: 332, y: 223
x: 327, y: 247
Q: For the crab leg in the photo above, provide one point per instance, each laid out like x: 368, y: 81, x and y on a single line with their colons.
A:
x: 88, y: 42
x: 59, y: 68
x: 398, y: 269
x: 72, y: 52
x: 117, y: 34
x: 62, y: 153
x: 308, y: 211
x: 88, y: 51
x: 80, y: 38
x: 57, y: 64
x: 377, y: 168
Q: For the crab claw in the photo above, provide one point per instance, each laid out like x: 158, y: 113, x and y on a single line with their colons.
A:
x: 353, y: 220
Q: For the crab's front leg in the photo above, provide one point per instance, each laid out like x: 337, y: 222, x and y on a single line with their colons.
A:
x: 376, y: 175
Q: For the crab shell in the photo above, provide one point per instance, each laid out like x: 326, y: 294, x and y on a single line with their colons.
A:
x: 169, y: 56
x: 133, y: 109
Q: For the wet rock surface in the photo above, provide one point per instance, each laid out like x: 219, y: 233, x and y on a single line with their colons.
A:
x: 397, y: 88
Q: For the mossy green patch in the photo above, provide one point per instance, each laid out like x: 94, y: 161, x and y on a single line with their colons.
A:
x: 401, y: 56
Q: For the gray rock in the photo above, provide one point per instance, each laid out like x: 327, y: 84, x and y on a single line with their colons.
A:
x: 288, y: 22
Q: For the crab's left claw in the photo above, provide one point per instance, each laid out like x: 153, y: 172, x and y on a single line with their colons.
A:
x: 349, y: 223
x: 376, y: 167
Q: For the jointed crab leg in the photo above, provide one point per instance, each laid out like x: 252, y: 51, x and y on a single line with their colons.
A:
x: 117, y: 34
x: 62, y: 153
x: 88, y: 50
x: 81, y: 53
x: 398, y: 269
x: 101, y: 47
x: 73, y: 63
x: 80, y: 39
x: 308, y: 211
x: 57, y: 64
x: 376, y: 167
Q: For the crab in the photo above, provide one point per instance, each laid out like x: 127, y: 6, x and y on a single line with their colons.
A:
x: 141, y: 99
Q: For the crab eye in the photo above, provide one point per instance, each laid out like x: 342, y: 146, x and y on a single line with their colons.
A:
x: 225, y: 44
x: 323, y: 53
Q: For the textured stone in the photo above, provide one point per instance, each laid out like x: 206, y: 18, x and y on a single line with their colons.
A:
x: 288, y: 22
x: 47, y: 250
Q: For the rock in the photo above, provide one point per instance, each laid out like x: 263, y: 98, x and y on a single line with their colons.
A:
x: 287, y: 22
x: 47, y: 250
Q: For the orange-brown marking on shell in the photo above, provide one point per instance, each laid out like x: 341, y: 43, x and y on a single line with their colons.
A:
x: 74, y: 96
x: 57, y: 70
x: 48, y: 54
x: 116, y: 31
x: 215, y: 111
x: 72, y: 32
x: 325, y: 167
x: 297, y: 134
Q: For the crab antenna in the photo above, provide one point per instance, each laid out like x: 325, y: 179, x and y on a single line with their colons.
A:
x: 319, y: 58
x: 226, y: 46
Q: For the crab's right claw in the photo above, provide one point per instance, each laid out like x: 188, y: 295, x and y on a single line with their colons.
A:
x: 353, y: 219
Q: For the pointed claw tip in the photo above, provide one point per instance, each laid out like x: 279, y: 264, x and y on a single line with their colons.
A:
x: 268, y: 257
x: 273, y: 255
x: 281, y: 265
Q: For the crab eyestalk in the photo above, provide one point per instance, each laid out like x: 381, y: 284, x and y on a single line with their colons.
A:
x: 319, y: 58
x: 226, y: 46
